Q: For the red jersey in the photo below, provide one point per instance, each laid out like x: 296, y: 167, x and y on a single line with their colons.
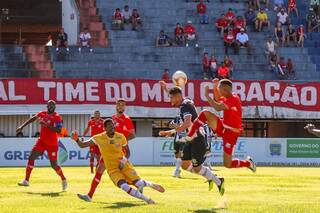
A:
x: 47, y: 135
x: 123, y: 124
x: 165, y: 77
x: 228, y: 63
x: 239, y: 23
x: 222, y: 22
x: 223, y: 71
x: 118, y: 15
x: 205, y: 61
x: 292, y: 4
x: 201, y: 8
x: 232, y: 117
x: 300, y: 31
x: 230, y: 15
x: 178, y: 31
x: 189, y: 29
x: 96, y: 126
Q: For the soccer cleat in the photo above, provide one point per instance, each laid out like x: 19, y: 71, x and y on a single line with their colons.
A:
x: 177, y: 173
x: 252, y: 166
x: 150, y: 201
x: 64, y: 184
x: 24, y: 183
x: 221, y: 187
x: 85, y: 197
x: 157, y: 187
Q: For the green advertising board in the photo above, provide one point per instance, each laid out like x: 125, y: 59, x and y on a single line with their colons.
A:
x: 303, y: 148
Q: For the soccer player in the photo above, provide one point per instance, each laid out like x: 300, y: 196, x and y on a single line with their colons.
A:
x: 51, y: 124
x: 123, y: 125
x: 96, y: 126
x: 230, y: 127
x: 194, y: 150
x: 120, y: 170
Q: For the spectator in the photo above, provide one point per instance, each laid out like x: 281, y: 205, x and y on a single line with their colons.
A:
x: 273, y: 63
x: 202, y: 12
x: 279, y: 34
x: 206, y: 66
x: 49, y: 42
x: 117, y: 20
x: 230, y: 16
x: 136, y: 19
x: 290, y: 69
x: 213, y: 67
x: 179, y: 35
x: 223, y: 72
x: 292, y: 6
x: 62, y: 40
x: 242, y: 40
x: 85, y: 40
x: 190, y: 34
x: 270, y: 48
x: 230, y: 41
x: 300, y: 36
x: 254, y: 4
x: 278, y: 4
x: 228, y: 62
x: 239, y: 23
x: 162, y: 40
x: 222, y: 25
x: 262, y: 20
x: 291, y: 35
x: 281, y: 68
x: 165, y: 75
x: 312, y: 20
x: 250, y: 17
x: 126, y: 13
x: 315, y: 5
x: 283, y: 17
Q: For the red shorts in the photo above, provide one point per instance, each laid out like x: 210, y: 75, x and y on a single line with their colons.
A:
x: 229, y: 138
x: 52, y: 150
x: 95, y: 150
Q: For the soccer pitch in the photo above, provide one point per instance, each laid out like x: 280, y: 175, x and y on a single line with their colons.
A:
x: 269, y: 190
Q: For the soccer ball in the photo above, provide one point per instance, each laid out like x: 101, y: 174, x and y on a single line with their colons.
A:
x: 179, y: 78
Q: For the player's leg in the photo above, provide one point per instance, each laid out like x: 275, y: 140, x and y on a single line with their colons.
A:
x: 91, y: 150
x: 53, y: 157
x: 30, y: 164
x: 204, y: 117
x: 122, y: 184
x: 178, y: 161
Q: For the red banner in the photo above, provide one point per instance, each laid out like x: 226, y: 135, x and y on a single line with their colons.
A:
x: 148, y: 92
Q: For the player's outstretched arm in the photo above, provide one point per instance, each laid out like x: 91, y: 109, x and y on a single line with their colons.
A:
x: 216, y: 105
x: 26, y: 123
x: 81, y: 143
x: 312, y: 130
x: 167, y: 133
x: 85, y: 132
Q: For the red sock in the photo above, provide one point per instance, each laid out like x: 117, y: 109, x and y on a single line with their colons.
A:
x: 59, y: 172
x: 91, y: 163
x: 29, y: 168
x: 95, y: 182
x: 236, y: 163
x: 198, y: 122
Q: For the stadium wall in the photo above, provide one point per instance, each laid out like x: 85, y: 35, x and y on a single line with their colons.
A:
x: 70, y: 20
x: 159, y: 151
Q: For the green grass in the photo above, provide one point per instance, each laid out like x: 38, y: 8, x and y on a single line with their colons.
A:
x: 270, y: 190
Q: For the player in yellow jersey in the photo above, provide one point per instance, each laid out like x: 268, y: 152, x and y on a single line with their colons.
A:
x: 111, y: 145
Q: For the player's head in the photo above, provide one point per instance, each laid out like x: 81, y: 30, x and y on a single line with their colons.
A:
x: 176, y: 96
x: 96, y: 114
x: 120, y: 106
x: 225, y: 87
x: 109, y: 126
x: 51, y: 106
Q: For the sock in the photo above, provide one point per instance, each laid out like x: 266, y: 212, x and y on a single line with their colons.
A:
x: 142, y: 183
x: 59, y: 172
x: 134, y: 193
x: 29, y: 168
x: 91, y: 163
x: 206, y: 172
x: 178, y: 163
x: 197, y: 123
x: 236, y: 163
x: 95, y: 182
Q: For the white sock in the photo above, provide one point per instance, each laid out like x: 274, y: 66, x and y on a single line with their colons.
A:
x: 142, y: 183
x: 207, y: 173
x: 134, y: 193
x: 178, y: 163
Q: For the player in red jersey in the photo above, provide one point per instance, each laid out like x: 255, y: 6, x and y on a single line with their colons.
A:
x: 95, y: 124
x: 51, y: 124
x: 123, y: 125
x: 230, y: 127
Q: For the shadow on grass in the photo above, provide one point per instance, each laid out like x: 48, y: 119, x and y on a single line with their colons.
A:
x: 119, y: 205
x: 213, y: 210
x: 46, y: 194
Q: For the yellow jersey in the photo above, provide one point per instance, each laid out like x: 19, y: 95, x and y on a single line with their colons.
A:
x: 262, y: 16
x: 110, y: 148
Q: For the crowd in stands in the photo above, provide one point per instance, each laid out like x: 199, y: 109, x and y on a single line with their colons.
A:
x: 126, y: 16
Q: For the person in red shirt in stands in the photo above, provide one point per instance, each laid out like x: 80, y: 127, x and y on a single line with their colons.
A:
x: 300, y: 35
x: 239, y: 23
x: 230, y: 16
x: 222, y: 25
x: 190, y: 34
x: 96, y: 126
x: 292, y: 6
x: 223, y: 71
x: 206, y: 66
x: 229, y: 41
x: 117, y: 20
x: 202, y: 12
x: 179, y: 35
x: 282, y: 66
x: 165, y: 75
